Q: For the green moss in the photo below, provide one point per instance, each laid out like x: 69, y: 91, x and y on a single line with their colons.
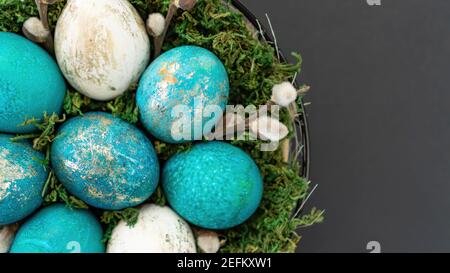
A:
x: 46, y: 131
x: 123, y: 106
x: 253, y: 69
x: 112, y: 218
x: 54, y: 192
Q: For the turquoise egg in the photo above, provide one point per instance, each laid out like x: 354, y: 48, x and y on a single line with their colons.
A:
x: 60, y: 229
x: 178, y: 89
x: 30, y: 83
x: 105, y: 161
x: 22, y: 178
x: 213, y: 185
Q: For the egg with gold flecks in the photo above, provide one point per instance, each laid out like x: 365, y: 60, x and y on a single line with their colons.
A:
x: 101, y: 46
x: 182, y: 94
x: 105, y: 161
x: 22, y: 178
x: 30, y: 84
x: 60, y: 229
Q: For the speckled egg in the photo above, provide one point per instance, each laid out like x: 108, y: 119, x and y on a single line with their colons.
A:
x: 101, y: 46
x: 105, y: 161
x: 158, y: 230
x: 213, y: 185
x: 22, y: 178
x: 180, y: 93
x: 30, y: 83
x: 59, y: 229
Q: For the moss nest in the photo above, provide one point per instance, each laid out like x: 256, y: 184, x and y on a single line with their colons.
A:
x: 253, y: 69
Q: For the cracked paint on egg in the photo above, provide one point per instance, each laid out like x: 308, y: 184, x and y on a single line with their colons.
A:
x: 214, y: 185
x: 158, y: 230
x: 60, y: 229
x: 185, y: 76
x: 101, y: 46
x: 22, y: 178
x: 30, y: 83
x: 105, y: 161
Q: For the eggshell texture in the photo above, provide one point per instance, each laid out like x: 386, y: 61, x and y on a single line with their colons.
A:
x: 30, y: 83
x: 22, y: 178
x: 182, y: 76
x: 105, y: 161
x: 101, y: 46
x: 59, y: 229
x: 213, y: 185
x: 158, y: 230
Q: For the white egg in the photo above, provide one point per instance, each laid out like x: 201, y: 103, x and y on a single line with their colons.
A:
x: 102, y: 46
x: 158, y: 230
x: 6, y: 237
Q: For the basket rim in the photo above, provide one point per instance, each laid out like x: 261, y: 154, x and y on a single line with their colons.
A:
x: 303, y: 131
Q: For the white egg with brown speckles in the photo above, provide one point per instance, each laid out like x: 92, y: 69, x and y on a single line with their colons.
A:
x: 102, y: 46
x: 158, y: 230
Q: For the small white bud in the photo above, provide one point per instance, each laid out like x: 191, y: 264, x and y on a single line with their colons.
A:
x: 155, y: 24
x: 6, y: 237
x: 267, y: 128
x: 35, y: 30
x: 208, y: 241
x: 226, y: 126
x: 185, y: 4
x: 284, y: 94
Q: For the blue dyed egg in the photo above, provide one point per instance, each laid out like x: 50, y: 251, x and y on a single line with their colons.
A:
x: 59, y: 229
x: 105, y: 161
x: 214, y: 185
x: 30, y: 83
x: 22, y: 178
x: 178, y: 89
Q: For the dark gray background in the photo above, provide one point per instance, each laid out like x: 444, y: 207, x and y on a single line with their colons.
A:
x: 380, y: 119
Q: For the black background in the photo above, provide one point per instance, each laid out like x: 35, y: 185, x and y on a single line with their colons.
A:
x: 380, y: 119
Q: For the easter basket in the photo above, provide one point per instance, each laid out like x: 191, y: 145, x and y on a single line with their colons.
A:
x: 254, y: 65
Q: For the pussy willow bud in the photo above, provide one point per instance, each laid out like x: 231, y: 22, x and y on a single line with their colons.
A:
x: 185, y: 4
x: 208, y: 241
x: 6, y: 237
x: 267, y: 128
x: 155, y: 24
x: 284, y: 94
x: 34, y: 29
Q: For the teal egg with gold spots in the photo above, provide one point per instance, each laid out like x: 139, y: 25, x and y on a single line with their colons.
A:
x: 105, y: 161
x: 22, y: 178
x: 182, y: 94
x: 60, y: 229
x: 31, y: 83
x: 214, y: 185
